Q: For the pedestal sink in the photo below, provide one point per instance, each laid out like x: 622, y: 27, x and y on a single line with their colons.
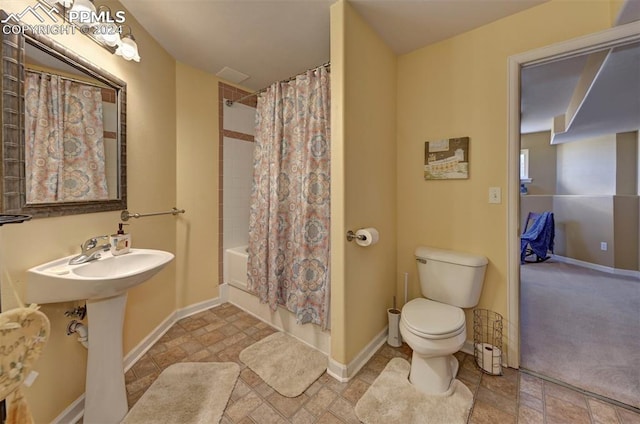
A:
x: 103, y: 284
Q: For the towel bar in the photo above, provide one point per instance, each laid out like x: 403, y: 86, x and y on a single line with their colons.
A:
x: 125, y: 215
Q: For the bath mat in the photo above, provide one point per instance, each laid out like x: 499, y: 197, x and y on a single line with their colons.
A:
x: 284, y: 363
x: 392, y: 399
x: 186, y: 393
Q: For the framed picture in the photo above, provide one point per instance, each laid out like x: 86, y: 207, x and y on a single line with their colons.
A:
x: 446, y: 159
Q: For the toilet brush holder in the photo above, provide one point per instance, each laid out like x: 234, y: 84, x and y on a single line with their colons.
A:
x: 393, y: 338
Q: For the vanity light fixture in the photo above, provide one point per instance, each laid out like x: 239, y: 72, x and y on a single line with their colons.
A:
x: 106, y: 31
x: 128, y: 47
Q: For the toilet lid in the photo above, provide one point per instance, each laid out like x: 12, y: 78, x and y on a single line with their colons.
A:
x: 426, y: 317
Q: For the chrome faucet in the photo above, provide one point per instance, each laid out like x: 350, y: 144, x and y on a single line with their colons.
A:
x: 91, y: 250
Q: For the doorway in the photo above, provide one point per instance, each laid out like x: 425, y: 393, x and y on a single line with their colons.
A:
x: 528, y: 305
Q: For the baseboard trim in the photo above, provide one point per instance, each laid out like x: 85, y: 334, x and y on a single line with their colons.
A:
x: 137, y: 352
x: 344, y: 373
x: 74, y: 412
x: 198, y: 307
x: 607, y: 269
x: 224, y: 292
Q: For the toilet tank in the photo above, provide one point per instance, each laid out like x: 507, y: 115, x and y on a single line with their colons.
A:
x: 450, y: 277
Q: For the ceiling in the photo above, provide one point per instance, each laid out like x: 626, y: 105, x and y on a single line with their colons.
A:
x: 611, y: 105
x: 271, y: 40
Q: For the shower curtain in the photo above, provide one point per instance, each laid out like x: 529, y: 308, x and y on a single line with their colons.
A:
x: 289, y: 212
x: 64, y: 145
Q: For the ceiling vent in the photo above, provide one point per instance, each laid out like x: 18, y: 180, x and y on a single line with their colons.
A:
x: 232, y: 75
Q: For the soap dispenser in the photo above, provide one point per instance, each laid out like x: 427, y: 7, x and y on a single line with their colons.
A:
x: 120, y: 242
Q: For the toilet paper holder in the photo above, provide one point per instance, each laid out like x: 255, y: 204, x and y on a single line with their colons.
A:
x: 351, y: 236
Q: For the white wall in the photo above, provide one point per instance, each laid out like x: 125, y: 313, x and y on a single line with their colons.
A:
x: 239, y: 118
x: 238, y: 173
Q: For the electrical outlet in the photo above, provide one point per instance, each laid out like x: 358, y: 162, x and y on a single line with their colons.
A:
x: 495, y: 195
x: 603, y: 245
x: 30, y: 378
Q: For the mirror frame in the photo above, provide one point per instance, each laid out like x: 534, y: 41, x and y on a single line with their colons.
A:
x: 12, y: 161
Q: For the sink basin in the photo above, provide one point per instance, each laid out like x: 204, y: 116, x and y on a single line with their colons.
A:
x: 57, y: 281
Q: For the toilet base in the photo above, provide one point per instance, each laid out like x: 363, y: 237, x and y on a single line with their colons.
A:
x: 433, y: 375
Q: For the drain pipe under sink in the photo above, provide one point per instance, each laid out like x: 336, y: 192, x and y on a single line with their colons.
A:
x: 83, y: 333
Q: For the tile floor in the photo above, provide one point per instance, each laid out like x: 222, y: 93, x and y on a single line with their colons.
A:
x: 221, y: 333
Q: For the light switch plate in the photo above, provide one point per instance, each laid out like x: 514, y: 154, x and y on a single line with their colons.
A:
x: 495, y: 195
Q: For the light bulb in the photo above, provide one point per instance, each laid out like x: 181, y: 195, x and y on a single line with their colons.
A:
x: 128, y: 49
x: 109, y: 34
x: 83, y: 12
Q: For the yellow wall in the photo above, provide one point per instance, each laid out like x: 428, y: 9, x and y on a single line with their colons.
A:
x: 197, y: 175
x: 363, y: 181
x: 458, y: 88
x: 151, y: 171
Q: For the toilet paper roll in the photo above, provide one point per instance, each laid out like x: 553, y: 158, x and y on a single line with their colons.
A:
x: 367, y: 236
x: 489, y: 358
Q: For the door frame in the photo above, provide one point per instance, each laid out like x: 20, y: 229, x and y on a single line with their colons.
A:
x: 622, y: 34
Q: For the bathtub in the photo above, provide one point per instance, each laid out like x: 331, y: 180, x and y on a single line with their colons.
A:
x: 236, y: 267
x: 235, y: 276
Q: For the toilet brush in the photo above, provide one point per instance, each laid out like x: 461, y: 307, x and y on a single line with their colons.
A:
x: 393, y: 337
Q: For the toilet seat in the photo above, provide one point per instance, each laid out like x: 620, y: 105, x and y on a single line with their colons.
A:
x: 433, y: 320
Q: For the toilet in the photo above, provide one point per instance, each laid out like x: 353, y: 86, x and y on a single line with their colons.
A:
x: 434, y: 326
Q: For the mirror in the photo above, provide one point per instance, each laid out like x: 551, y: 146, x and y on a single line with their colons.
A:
x: 66, y: 156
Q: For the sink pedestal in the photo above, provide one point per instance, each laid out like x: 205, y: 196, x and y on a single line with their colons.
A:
x: 105, y: 393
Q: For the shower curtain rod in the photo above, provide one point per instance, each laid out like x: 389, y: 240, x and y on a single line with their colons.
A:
x: 262, y: 90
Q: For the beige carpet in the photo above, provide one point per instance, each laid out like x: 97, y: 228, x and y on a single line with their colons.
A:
x: 186, y: 393
x: 284, y: 363
x: 581, y: 326
x: 391, y: 399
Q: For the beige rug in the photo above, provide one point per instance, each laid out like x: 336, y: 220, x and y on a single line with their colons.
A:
x: 284, y: 363
x: 392, y: 399
x: 186, y: 393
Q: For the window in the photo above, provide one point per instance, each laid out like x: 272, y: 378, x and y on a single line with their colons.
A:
x: 524, y: 166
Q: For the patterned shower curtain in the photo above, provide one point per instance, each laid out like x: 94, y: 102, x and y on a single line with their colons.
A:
x: 64, y: 145
x: 289, y: 214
